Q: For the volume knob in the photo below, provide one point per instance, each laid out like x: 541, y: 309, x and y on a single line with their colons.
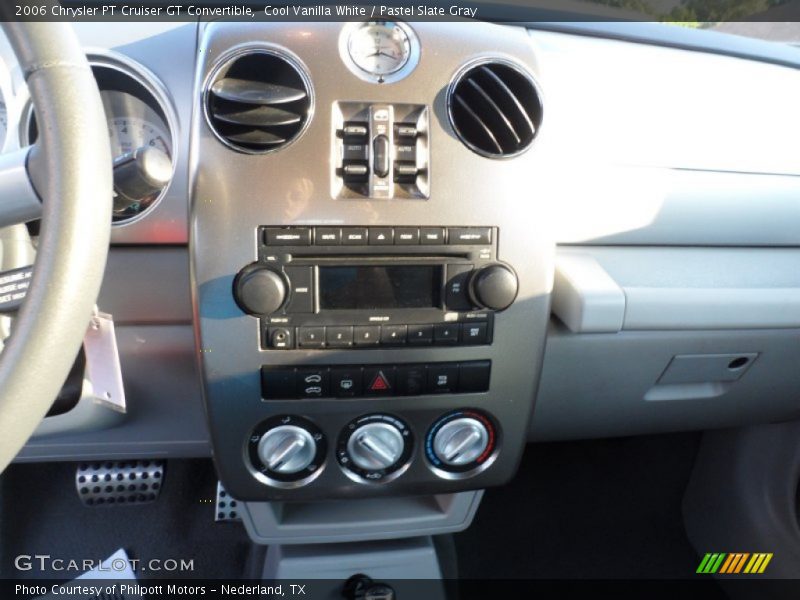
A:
x: 494, y: 287
x: 260, y: 291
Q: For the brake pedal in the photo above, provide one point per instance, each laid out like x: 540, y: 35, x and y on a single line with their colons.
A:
x: 227, y: 507
x: 119, y: 482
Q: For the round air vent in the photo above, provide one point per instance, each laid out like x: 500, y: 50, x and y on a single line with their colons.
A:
x: 495, y: 108
x: 258, y: 101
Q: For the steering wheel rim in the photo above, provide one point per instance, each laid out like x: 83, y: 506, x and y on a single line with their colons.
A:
x: 70, y: 168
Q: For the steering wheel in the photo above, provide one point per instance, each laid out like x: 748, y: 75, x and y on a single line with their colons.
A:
x: 69, y: 169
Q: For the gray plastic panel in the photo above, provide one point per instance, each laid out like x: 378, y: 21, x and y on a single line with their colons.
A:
x: 165, y: 416
x: 147, y: 286
x: 400, y: 563
x: 603, y: 385
x: 678, y: 288
x: 358, y: 520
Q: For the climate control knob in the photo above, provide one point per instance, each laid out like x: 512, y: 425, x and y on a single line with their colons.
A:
x: 375, y: 447
x: 494, y: 287
x: 286, y: 451
x: 260, y: 291
x: 461, y: 443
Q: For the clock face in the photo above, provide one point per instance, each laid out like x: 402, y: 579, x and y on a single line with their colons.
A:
x: 379, y: 48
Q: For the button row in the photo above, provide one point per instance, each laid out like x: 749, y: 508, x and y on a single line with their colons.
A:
x: 285, y: 383
x: 348, y: 336
x: 377, y: 236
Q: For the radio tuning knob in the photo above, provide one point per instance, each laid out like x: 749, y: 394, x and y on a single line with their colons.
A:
x: 287, y: 449
x: 260, y: 291
x: 494, y: 287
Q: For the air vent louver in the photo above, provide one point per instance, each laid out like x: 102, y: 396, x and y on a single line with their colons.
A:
x: 258, y: 102
x: 495, y: 108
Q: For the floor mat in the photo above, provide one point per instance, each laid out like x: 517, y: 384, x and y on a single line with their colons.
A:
x: 40, y: 513
x: 587, y: 509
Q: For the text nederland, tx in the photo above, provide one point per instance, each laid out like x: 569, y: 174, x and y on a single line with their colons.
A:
x: 125, y: 589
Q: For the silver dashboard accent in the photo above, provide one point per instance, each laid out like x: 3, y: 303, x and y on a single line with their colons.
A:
x: 254, y: 48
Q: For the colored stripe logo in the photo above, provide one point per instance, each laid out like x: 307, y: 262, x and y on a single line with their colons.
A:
x: 734, y: 563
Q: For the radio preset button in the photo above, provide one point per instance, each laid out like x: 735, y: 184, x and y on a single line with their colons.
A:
x: 420, y: 335
x: 442, y: 378
x: 406, y: 236
x: 381, y: 236
x: 469, y: 236
x: 311, y: 337
x: 327, y: 236
x: 354, y: 236
x: 431, y: 236
x: 346, y: 382
x: 295, y: 236
x: 445, y: 333
x: 367, y: 335
x: 474, y: 333
x: 339, y: 337
x: 312, y: 383
x: 393, y: 335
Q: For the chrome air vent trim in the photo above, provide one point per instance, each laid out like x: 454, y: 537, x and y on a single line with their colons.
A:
x: 258, y: 112
x: 495, y: 107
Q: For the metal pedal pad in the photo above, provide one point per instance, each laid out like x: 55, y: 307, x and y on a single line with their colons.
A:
x: 227, y: 508
x: 119, y: 482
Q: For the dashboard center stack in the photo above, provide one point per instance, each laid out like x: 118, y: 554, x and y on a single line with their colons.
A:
x: 371, y: 313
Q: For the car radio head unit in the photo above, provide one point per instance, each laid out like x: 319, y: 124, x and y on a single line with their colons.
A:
x: 327, y: 287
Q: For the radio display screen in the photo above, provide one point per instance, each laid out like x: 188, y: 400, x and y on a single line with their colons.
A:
x: 380, y: 287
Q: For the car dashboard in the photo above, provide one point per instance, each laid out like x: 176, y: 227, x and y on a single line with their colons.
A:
x: 385, y: 256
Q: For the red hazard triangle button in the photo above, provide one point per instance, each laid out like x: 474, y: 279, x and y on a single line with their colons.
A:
x: 380, y: 381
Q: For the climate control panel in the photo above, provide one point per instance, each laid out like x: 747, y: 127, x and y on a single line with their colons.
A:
x: 290, y: 451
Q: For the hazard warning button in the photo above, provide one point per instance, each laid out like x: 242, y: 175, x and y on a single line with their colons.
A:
x: 379, y: 381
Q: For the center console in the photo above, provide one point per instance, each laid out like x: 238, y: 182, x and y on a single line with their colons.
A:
x: 371, y: 282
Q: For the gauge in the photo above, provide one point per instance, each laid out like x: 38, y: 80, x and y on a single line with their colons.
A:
x: 381, y: 48
x: 129, y: 133
x: 133, y: 128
